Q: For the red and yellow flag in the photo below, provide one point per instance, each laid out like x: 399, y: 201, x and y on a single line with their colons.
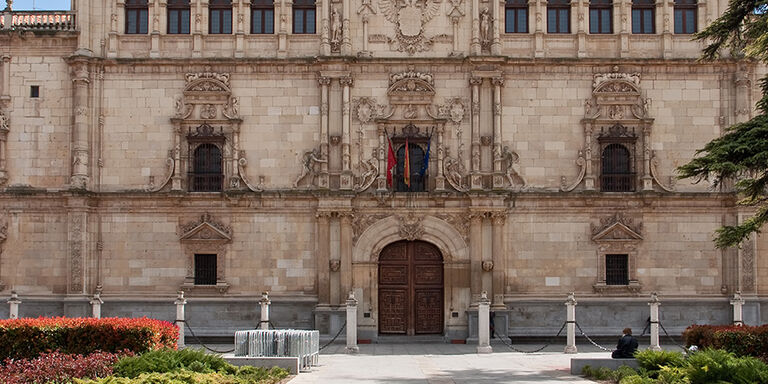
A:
x: 391, y: 163
x: 407, y: 166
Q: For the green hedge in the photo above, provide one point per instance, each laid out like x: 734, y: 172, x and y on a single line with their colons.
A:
x: 739, y: 340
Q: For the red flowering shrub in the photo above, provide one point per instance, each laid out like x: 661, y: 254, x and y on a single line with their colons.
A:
x: 28, y: 338
x: 740, y: 340
x: 55, y: 368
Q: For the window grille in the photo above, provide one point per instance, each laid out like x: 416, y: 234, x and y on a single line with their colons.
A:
x: 600, y: 16
x: 262, y: 17
x: 616, y: 270
x: 304, y: 16
x: 136, y: 17
x: 178, y: 17
x: 558, y: 16
x: 516, y: 16
x: 207, y: 171
x: 416, y: 155
x: 685, y: 16
x: 617, y: 175
x: 220, y: 17
x: 643, y: 16
x: 205, y: 269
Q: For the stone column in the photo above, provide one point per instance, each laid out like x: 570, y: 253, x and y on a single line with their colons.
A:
x: 83, y: 20
x: 323, y: 258
x: 285, y: 17
x: 346, y: 44
x: 476, y: 181
x: 351, y: 324
x: 476, y: 254
x: 96, y: 303
x: 624, y: 26
x: 176, y: 178
x: 365, y: 18
x: 439, y: 178
x: 346, y: 169
x: 498, y: 17
x: 570, y: 318
x: 155, y: 14
x: 325, y: 38
x: 580, y: 9
x: 498, y: 178
x: 80, y: 152
x: 180, y: 322
x: 666, y: 41
x: 196, y: 16
x: 743, y: 87
x: 345, y: 245
x: 737, y: 302
x: 483, y: 324
x: 589, y: 173
x: 499, y: 259
x: 381, y: 181
x: 654, y: 304
x: 238, y: 14
x: 264, y: 303
x: 13, y: 302
x: 322, y: 178
x: 646, y: 178
x: 475, y: 47
x: 5, y: 95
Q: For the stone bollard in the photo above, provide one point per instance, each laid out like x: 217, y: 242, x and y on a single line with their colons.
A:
x: 96, y: 303
x: 483, y: 324
x: 738, y: 304
x: 180, y: 303
x: 570, y: 319
x: 654, y: 304
x: 352, y: 324
x: 14, y: 305
x: 264, y: 302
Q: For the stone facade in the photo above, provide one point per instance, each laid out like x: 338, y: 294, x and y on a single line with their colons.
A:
x: 97, y: 192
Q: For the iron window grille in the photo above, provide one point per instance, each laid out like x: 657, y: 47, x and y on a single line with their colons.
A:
x: 558, y: 16
x: 262, y: 17
x: 617, y: 175
x: 643, y: 16
x: 304, y: 16
x: 617, y: 269
x: 220, y: 17
x: 685, y: 17
x: 136, y: 17
x: 178, y: 17
x: 206, y: 171
x: 601, y: 16
x: 516, y: 16
x: 205, y: 269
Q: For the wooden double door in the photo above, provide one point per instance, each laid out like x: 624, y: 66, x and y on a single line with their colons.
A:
x: 410, y: 288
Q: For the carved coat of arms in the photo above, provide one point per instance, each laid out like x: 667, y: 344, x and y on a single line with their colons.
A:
x: 410, y: 16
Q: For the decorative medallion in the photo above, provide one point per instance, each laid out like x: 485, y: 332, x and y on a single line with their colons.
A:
x: 411, y: 227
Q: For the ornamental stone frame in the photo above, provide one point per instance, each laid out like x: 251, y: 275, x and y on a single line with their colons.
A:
x: 205, y: 235
x: 617, y: 235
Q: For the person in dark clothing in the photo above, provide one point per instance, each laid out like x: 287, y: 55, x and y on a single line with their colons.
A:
x: 626, y: 347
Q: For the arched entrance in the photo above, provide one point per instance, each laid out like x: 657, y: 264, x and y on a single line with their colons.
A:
x: 410, y: 288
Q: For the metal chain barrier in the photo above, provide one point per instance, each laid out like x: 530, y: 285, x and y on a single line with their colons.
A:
x: 198, y: 339
x: 550, y: 342
x: 670, y: 337
x: 590, y: 340
x: 335, y: 337
x: 647, y: 327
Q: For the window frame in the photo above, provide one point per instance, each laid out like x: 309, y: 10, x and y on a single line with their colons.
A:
x: 601, y: 6
x: 617, y: 264
x: 398, y: 183
x: 556, y: 6
x: 220, y: 7
x: 303, y: 7
x: 136, y: 7
x: 176, y: 8
x: 260, y: 8
x: 203, y: 177
x: 685, y: 7
x: 210, y: 277
x: 516, y: 7
x: 642, y: 6
x: 615, y: 177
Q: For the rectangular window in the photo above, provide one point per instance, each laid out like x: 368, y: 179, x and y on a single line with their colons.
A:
x: 178, y: 17
x: 220, y: 17
x: 558, y: 16
x: 600, y: 16
x: 304, y: 17
x: 685, y: 17
x: 262, y: 17
x: 516, y: 16
x: 136, y: 17
x: 34, y: 91
x: 616, y: 270
x: 205, y: 269
x: 643, y: 17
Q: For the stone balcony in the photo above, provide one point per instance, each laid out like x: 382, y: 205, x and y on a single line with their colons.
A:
x: 38, y: 21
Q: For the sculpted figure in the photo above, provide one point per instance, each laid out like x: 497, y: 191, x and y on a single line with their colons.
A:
x: 3, y: 121
x: 369, y: 175
x: 513, y: 177
x: 454, y: 172
x: 485, y: 25
x: 336, y: 30
x: 309, y: 160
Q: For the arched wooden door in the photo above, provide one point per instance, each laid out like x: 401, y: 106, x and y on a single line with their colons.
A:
x: 410, y: 288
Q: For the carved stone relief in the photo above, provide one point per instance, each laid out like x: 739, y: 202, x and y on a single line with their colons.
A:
x: 411, y: 227
x: 309, y: 162
x: 361, y: 222
x: 409, y: 18
x: 748, y: 265
x: 459, y: 221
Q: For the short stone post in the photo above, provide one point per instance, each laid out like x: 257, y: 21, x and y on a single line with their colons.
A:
x: 483, y: 324
x: 352, y: 324
x: 96, y: 303
x: 180, y: 303
x: 654, y: 304
x: 264, y: 302
x: 738, y: 303
x: 14, y: 302
x: 570, y: 320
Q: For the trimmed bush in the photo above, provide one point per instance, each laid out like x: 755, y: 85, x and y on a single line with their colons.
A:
x: 242, y: 376
x: 29, y: 338
x: 169, y: 360
x: 56, y: 368
x: 739, y: 340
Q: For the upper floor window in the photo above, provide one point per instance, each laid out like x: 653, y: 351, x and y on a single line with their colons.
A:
x: 220, y: 17
x: 205, y: 269
x: 304, y: 16
x: 558, y: 16
x: 415, y: 172
x: 207, y: 174
x: 685, y: 16
x: 617, y: 175
x: 616, y: 269
x: 643, y: 16
x: 600, y: 16
x: 136, y: 16
x: 178, y: 17
x: 262, y: 17
x: 516, y: 16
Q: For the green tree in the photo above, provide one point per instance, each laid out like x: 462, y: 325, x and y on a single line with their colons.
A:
x: 741, y: 154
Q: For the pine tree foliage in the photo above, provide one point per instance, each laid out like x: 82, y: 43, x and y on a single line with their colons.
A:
x: 741, y: 154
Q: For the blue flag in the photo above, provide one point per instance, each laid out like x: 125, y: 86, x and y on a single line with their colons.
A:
x: 425, y: 165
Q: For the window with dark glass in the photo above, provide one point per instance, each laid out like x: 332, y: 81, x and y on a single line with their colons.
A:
x: 136, y: 16
x: 643, y: 16
x: 178, y: 17
x: 220, y: 17
x: 416, y: 157
x: 685, y: 16
x: 262, y: 17
x: 205, y: 269
x: 207, y: 173
x: 600, y: 16
x: 617, y: 173
x: 304, y: 16
x: 558, y: 16
x: 616, y: 269
x: 516, y: 16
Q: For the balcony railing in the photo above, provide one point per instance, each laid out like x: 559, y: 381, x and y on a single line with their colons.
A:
x: 206, y: 182
x: 38, y: 20
x: 621, y: 182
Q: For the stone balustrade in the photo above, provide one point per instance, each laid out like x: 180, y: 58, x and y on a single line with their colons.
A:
x: 38, y: 20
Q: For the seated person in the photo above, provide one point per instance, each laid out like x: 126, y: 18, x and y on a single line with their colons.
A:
x: 626, y: 347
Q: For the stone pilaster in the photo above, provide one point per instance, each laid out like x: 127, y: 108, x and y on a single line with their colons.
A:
x: 498, y: 18
x: 476, y: 255
x: 346, y: 43
x: 381, y: 181
x: 475, y: 47
x: 439, y: 178
x: 743, y: 83
x: 322, y: 258
x: 196, y: 10
x: 325, y: 38
x: 84, y: 43
x: 498, y: 219
x: 176, y: 179
x: 498, y: 176
x: 322, y: 178
x: 80, y: 151
x: 589, y: 172
x: 5, y: 95
x: 647, y: 179
x: 345, y: 241
x: 156, y: 14
x: 77, y: 221
x: 476, y: 181
x: 346, y: 182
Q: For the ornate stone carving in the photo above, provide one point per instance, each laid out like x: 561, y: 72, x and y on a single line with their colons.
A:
x: 362, y: 222
x: 485, y: 28
x: 616, y: 227
x: 334, y: 265
x: 182, y: 110
x: 207, y: 75
x: 367, y: 109
x: 599, y: 78
x: 459, y: 221
x: 410, y: 16
x: 336, y: 30
x: 368, y: 176
x: 309, y: 160
x: 232, y: 108
x: 206, y: 228
x: 170, y: 164
x: 208, y: 111
x: 241, y: 164
x: 487, y: 265
x: 581, y: 162
x: 510, y: 159
x: 455, y: 173
x: 411, y: 227
x: 655, y: 174
x: 748, y: 264
x: 76, y: 252
x: 453, y: 109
